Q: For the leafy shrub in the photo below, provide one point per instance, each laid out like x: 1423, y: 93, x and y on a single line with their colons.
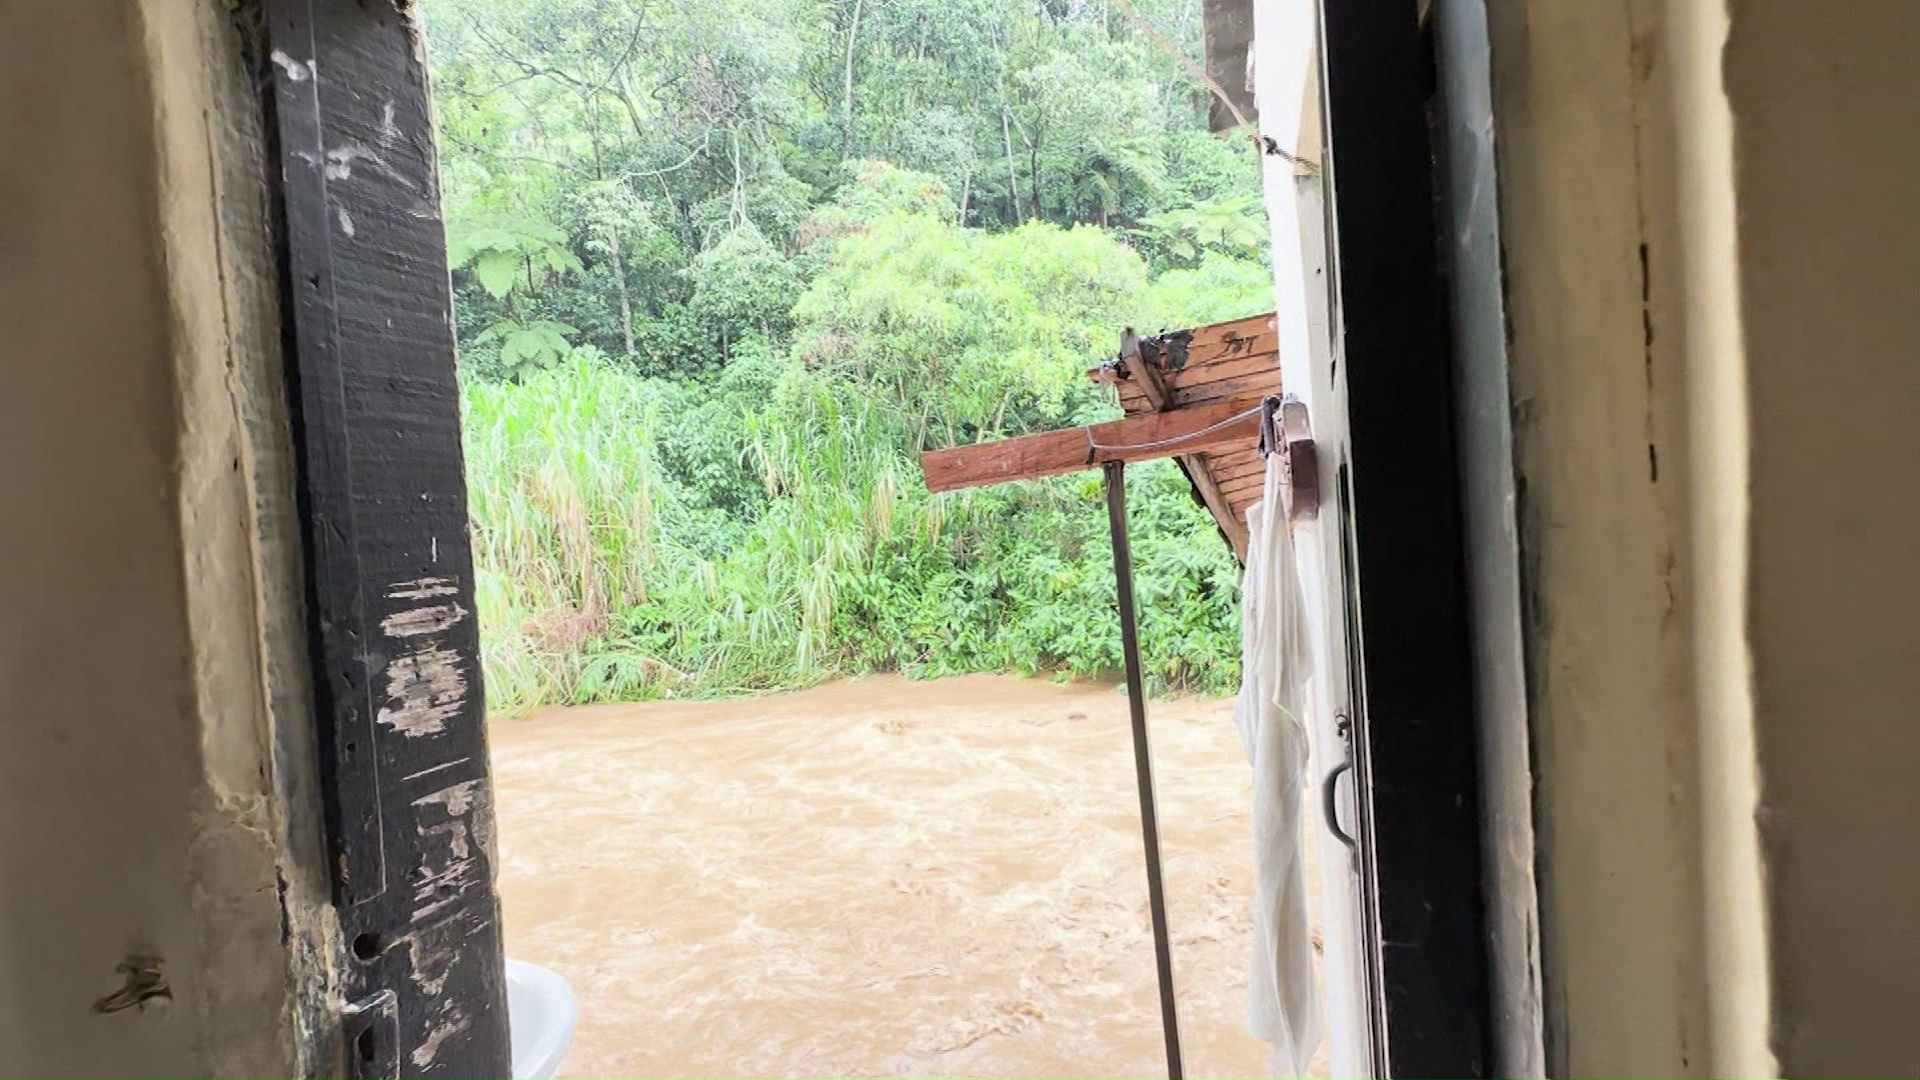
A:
x: 608, y: 570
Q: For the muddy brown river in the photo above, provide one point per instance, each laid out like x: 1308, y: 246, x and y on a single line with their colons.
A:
x: 878, y: 878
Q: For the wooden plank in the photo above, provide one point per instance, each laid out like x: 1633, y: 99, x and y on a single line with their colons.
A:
x: 1244, y: 487
x: 398, y: 700
x: 1245, y: 350
x: 1234, y: 460
x: 1258, y: 385
x: 1231, y: 379
x: 1052, y: 453
x: 1225, y: 457
x: 1231, y: 477
x: 1243, y: 377
x: 1220, y: 350
x: 1250, y: 326
x: 1264, y: 362
x: 1238, y: 461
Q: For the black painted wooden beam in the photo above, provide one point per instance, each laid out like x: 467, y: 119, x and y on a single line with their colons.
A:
x: 399, y: 703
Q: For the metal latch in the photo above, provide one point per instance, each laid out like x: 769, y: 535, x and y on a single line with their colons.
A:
x: 1284, y: 426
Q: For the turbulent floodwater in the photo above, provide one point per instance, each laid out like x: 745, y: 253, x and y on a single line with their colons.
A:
x: 878, y: 878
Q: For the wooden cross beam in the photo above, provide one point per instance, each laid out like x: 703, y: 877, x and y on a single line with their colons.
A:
x: 1188, y: 431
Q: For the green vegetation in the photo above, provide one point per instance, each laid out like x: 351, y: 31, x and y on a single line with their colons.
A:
x: 724, y: 267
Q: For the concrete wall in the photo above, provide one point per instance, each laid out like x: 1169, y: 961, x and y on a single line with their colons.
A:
x: 1824, y: 100
x: 1597, y: 389
x: 1712, y: 252
x: 149, y: 629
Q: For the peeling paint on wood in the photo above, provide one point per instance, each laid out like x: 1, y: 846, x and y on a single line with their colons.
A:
x: 423, y: 620
x: 424, y: 690
x: 296, y: 70
x: 423, y: 589
x: 451, y: 1022
x: 448, y: 866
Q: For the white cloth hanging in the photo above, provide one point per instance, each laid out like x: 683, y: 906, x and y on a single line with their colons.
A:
x: 1284, y: 999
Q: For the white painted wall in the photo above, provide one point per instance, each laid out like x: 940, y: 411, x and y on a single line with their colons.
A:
x: 1712, y: 252
x: 1826, y: 167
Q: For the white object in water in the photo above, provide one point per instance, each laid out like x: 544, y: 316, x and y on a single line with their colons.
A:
x: 541, y: 1011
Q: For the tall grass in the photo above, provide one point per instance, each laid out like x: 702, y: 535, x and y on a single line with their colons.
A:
x: 638, y: 538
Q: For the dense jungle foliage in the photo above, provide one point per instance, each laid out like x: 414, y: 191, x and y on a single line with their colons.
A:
x: 724, y: 267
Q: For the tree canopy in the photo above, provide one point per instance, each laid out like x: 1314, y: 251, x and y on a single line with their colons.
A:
x: 665, y: 178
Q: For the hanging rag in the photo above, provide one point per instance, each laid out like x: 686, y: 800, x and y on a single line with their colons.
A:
x: 1284, y: 1000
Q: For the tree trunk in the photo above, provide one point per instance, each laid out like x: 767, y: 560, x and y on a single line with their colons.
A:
x: 1033, y: 163
x: 738, y: 215
x: 1013, y: 177
x: 846, y: 103
x: 620, y: 283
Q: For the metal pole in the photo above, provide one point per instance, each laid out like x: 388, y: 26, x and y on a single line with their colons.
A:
x: 1143, y: 760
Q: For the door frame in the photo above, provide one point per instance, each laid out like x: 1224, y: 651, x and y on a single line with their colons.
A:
x: 396, y: 651
x: 1415, y: 724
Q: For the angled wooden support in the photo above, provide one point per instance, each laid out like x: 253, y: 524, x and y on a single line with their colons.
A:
x: 1199, y: 472
x: 1234, y: 422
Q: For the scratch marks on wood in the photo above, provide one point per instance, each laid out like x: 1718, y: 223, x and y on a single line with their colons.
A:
x: 442, y: 767
x: 448, y: 865
x: 341, y: 161
x: 424, y: 690
x: 457, y: 800
x: 449, y: 1022
x: 389, y: 128
x: 423, y: 589
x: 435, y: 952
x: 296, y: 71
x: 454, y: 853
x: 431, y: 619
x: 426, y: 685
x: 357, y: 148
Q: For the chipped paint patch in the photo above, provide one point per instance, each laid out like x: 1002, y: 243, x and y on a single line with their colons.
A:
x: 425, y: 588
x: 431, y: 619
x: 450, y: 1022
x: 448, y: 867
x: 424, y: 690
x: 389, y: 127
x: 342, y: 160
x: 458, y: 800
x: 431, y: 955
x: 296, y: 71
x: 346, y: 221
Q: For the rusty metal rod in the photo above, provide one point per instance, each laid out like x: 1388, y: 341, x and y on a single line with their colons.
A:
x: 1116, y: 477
